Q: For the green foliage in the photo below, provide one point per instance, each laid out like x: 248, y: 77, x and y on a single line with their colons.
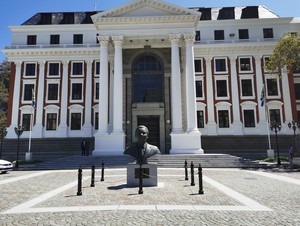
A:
x: 4, y: 86
x: 286, y: 55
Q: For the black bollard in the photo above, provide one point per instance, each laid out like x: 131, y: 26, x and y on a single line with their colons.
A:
x: 186, y: 170
x: 141, y: 180
x: 102, y: 172
x: 93, y: 176
x: 201, y: 192
x: 192, y: 174
x: 79, y: 190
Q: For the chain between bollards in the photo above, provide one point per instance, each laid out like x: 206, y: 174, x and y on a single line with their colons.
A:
x: 102, y: 172
x: 186, y: 170
x: 79, y: 189
x: 201, y: 192
x: 141, y: 180
x: 192, y: 174
x: 93, y: 176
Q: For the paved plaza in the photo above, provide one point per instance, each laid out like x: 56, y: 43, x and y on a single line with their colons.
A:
x: 231, y: 197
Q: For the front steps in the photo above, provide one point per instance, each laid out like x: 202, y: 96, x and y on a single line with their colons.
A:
x: 163, y: 161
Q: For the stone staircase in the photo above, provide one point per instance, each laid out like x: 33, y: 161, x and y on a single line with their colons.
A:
x: 163, y: 161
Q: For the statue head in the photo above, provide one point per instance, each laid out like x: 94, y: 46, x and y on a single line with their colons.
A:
x: 141, y: 133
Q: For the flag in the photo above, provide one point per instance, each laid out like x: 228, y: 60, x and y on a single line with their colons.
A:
x: 262, y: 97
x: 33, y: 104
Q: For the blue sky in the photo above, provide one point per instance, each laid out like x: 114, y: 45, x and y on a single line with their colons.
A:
x: 15, y: 12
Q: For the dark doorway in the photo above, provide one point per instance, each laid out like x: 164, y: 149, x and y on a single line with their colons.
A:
x: 152, y: 123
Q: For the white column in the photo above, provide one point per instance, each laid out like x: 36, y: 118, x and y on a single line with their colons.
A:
x: 190, y: 84
x: 87, y: 127
x: 62, y: 129
x: 287, y: 107
x: 211, y: 122
x: 118, y: 86
x: 38, y: 128
x: 237, y: 124
x: 260, y: 84
x: 15, y: 104
x: 103, y: 95
x: 176, y: 108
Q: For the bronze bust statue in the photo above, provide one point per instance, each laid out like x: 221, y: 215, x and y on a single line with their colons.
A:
x: 141, y: 150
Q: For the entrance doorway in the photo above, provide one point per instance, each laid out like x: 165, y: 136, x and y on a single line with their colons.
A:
x: 152, y: 123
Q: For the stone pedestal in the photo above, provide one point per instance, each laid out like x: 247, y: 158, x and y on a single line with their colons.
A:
x: 149, y: 178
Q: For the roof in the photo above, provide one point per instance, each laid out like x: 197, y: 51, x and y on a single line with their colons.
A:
x: 222, y: 13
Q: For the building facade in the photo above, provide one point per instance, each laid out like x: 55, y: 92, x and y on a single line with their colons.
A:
x: 182, y: 72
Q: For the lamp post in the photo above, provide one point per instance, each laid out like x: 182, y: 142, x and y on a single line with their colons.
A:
x: 294, y: 125
x: 276, y: 127
x: 3, y: 133
x: 18, y: 131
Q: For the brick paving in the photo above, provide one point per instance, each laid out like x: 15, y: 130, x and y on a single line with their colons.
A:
x: 231, y: 197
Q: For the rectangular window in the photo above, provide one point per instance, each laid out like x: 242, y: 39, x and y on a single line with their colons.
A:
x: 68, y: 18
x: 53, y: 69
x: 26, y: 122
x: 245, y: 64
x: 223, y: 117
x: 76, y: 91
x: 249, y: 118
x: 28, y: 92
x: 198, y: 66
x: 221, y: 88
x: 199, y: 91
x: 97, y: 68
x: 31, y: 39
x: 272, y: 87
x: 247, y: 90
x: 275, y: 116
x: 200, y: 119
x: 78, y: 39
x: 220, y: 65
x: 243, y: 34
x: 297, y: 91
x: 30, y: 69
x: 97, y: 91
x: 197, y: 36
x: 77, y: 68
x: 268, y: 33
x: 96, y: 120
x: 75, y: 121
x: 219, y: 34
x: 51, y: 121
x: 52, y: 91
x: 54, y: 39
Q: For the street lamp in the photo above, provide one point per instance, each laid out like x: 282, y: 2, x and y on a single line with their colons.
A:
x: 294, y: 125
x: 18, y: 131
x: 277, y: 127
x: 3, y: 133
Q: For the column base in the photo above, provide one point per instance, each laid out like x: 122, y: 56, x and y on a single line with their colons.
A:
x: 87, y: 130
x: 186, y: 143
x: 37, y: 131
x: 63, y: 131
x: 237, y: 128
x: 211, y: 128
x: 109, y: 144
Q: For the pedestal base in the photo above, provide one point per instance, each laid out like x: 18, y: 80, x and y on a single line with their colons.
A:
x: 149, y: 175
x: 186, y: 143
x: 28, y: 156
x: 109, y: 144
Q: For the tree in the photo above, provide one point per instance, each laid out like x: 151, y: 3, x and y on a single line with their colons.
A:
x: 4, y: 85
x: 286, y: 55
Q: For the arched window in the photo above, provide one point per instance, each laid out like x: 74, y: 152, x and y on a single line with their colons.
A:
x: 147, y: 79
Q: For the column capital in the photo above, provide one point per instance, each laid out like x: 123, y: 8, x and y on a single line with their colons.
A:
x: 103, y: 40
x: 118, y: 40
x: 233, y: 59
x: 257, y: 57
x: 42, y: 62
x: 65, y: 62
x: 89, y: 62
x: 189, y: 38
x: 175, y: 38
x: 208, y: 58
x: 18, y: 63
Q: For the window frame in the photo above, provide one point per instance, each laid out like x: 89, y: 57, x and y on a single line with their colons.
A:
x: 219, y: 35
x: 268, y: 33
x: 54, y: 39
x: 49, y: 67
x: 216, y: 80
x: 247, y: 77
x: 53, y: 82
x: 241, y: 35
x: 31, y: 40
x: 95, y: 71
x: 71, y: 121
x: 250, y: 64
x: 268, y: 78
x: 27, y: 83
x: 244, y: 118
x: 55, y: 120
x: 226, y: 65
x: 228, y: 115
x: 77, y: 39
x: 26, y: 64
x: 73, y: 68
x: 76, y: 81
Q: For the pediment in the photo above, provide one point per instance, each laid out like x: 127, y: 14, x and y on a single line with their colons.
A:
x: 144, y: 9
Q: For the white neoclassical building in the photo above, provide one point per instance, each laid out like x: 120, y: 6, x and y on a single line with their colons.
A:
x: 185, y: 73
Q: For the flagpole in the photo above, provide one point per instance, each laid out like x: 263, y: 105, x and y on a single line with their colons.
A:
x: 267, y: 118
x: 30, y: 131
